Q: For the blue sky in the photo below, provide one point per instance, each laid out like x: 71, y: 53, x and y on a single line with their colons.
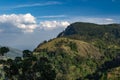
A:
x: 26, y: 23
x: 57, y: 7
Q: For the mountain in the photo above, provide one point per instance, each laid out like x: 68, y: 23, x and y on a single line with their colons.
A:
x: 70, y: 46
x: 83, y: 51
x: 108, y: 34
x: 80, y: 30
x: 105, y: 37
x: 71, y: 58
x: 13, y: 53
x: 76, y: 59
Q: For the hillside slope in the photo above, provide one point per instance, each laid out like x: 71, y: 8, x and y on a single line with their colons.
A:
x: 106, y: 38
x: 80, y: 30
x: 84, y: 51
x: 71, y: 46
x: 72, y: 59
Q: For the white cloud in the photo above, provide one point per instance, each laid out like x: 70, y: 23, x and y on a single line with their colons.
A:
x: 53, y: 16
x: 48, y: 25
x: 97, y: 20
x: 16, y: 23
x: 35, y: 4
x: 109, y: 19
x: 25, y: 22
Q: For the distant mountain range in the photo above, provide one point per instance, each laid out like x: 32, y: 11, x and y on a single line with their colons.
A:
x: 13, y: 53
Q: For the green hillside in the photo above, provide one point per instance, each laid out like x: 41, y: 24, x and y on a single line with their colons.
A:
x: 71, y: 47
x: 72, y: 59
x: 90, y: 31
x: 105, y: 37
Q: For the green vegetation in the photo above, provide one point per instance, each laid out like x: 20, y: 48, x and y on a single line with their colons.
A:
x: 28, y: 68
x: 3, y: 50
x: 70, y: 46
x: 72, y: 59
x: 105, y: 37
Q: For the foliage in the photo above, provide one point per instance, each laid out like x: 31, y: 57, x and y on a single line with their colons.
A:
x: 27, y: 53
x: 4, y: 50
x: 28, y: 68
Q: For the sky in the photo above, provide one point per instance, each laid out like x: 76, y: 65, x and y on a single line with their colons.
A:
x: 24, y: 24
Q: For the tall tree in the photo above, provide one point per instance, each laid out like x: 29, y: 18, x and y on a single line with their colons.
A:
x: 3, y: 50
x: 27, y: 53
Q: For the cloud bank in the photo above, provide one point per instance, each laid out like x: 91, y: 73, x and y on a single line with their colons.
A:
x: 27, y: 23
x: 16, y: 23
x: 21, y: 22
x: 48, y: 25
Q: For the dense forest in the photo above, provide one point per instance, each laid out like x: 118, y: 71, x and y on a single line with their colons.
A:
x: 83, y: 51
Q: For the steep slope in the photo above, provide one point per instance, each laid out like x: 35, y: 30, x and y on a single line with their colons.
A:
x: 71, y: 46
x: 72, y: 59
x: 84, y: 51
x: 80, y: 30
x: 106, y: 38
x: 105, y: 35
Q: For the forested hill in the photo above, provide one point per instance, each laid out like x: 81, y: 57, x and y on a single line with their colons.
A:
x: 91, y: 31
x: 104, y: 38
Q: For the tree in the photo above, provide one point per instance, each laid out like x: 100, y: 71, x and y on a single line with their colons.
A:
x: 4, y: 50
x: 45, y: 69
x: 9, y: 62
x: 27, y: 53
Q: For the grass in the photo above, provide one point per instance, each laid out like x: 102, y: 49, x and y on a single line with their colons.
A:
x: 84, y: 49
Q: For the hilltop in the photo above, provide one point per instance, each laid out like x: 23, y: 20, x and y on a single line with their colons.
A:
x: 91, y: 31
x: 105, y: 37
